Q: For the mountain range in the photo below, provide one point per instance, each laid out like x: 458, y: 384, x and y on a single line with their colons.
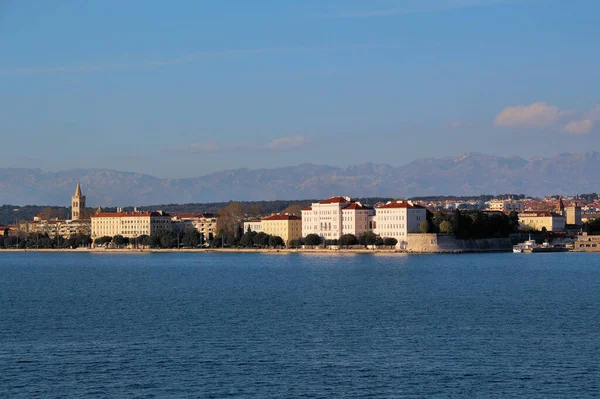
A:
x: 467, y: 174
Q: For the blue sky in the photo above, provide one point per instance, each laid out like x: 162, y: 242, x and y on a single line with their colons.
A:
x: 185, y: 88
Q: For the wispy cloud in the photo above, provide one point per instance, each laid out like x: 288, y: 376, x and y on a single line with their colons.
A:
x: 543, y: 115
x: 148, y: 64
x: 461, y: 124
x: 421, y: 6
x: 538, y: 114
x: 288, y: 143
x: 579, y: 127
x: 586, y: 124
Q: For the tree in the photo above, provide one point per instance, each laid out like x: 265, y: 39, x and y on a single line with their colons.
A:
x: 146, y: 240
x: 262, y: 239
x: 276, y: 241
x: 168, y: 239
x: 254, y: 210
x: 191, y: 238
x: 367, y: 238
x: 296, y: 243
x: 229, y: 217
x: 312, y: 240
x: 102, y: 240
x: 390, y: 241
x: 446, y: 227
x: 118, y: 240
x: 514, y: 221
x: 49, y: 213
x: 247, y: 239
x: 216, y: 242
x: 378, y: 241
x: 348, y: 239
x: 295, y: 209
x: 425, y: 226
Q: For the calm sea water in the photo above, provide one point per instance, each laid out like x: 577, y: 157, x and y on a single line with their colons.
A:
x: 276, y: 326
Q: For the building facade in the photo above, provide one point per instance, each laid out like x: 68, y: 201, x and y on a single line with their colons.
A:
x: 540, y: 220
x: 288, y: 227
x: 357, y: 219
x: 397, y: 219
x: 129, y: 224
x: 204, y: 223
x: 325, y: 218
x: 253, y: 225
x: 53, y: 225
x: 506, y: 205
x: 77, y: 204
x: 573, y: 215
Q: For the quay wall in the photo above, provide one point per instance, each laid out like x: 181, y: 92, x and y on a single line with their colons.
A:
x: 436, y: 243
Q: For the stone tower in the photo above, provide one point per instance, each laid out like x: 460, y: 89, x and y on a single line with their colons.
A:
x: 77, y: 203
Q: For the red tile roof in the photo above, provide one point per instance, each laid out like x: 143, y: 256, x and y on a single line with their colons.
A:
x: 198, y: 215
x: 335, y: 200
x: 282, y: 217
x: 537, y: 214
x: 402, y: 204
x: 127, y: 214
x: 356, y: 205
x: 307, y: 208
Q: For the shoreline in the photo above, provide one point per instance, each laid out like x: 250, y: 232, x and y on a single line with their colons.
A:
x: 319, y: 251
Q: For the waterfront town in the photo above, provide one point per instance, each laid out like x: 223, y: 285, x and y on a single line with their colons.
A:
x: 417, y: 225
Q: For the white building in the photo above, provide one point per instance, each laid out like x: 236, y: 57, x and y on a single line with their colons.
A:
x: 253, y: 225
x: 129, y: 224
x: 397, y: 219
x: 204, y: 223
x: 325, y: 218
x: 357, y: 218
x: 506, y: 205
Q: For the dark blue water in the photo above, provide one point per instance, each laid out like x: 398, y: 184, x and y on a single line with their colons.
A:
x: 276, y: 326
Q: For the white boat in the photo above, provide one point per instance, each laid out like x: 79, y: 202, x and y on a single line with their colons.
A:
x: 527, y: 246
x: 531, y: 246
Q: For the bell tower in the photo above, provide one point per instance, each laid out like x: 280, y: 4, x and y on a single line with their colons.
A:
x: 77, y: 203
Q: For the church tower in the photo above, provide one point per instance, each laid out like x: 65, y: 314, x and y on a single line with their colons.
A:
x: 77, y: 203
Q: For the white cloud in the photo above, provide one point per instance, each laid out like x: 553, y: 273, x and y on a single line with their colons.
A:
x: 538, y: 114
x: 583, y: 126
x: 461, y: 124
x: 288, y: 143
x: 593, y: 114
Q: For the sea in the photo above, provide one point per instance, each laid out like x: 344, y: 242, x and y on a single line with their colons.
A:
x: 228, y: 325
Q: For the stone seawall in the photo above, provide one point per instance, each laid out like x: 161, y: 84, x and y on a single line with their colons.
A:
x: 436, y: 243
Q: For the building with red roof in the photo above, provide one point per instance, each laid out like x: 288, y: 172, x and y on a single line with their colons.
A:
x: 397, y: 219
x: 324, y: 218
x: 129, y: 224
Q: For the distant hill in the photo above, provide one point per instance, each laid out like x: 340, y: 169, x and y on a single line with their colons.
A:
x: 468, y: 174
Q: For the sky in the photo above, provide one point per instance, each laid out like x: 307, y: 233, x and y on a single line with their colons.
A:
x: 187, y: 88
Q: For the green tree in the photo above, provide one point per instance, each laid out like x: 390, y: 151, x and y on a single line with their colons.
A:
x: 102, y: 240
x: 367, y: 238
x: 118, y: 240
x: 276, y: 241
x: 145, y: 240
x: 247, y: 239
x: 348, y: 239
x: 296, y: 243
x: 390, y: 241
x: 312, y: 240
x: 191, y: 238
x: 168, y: 239
x: 425, y: 226
x: 446, y: 227
x: 378, y: 241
